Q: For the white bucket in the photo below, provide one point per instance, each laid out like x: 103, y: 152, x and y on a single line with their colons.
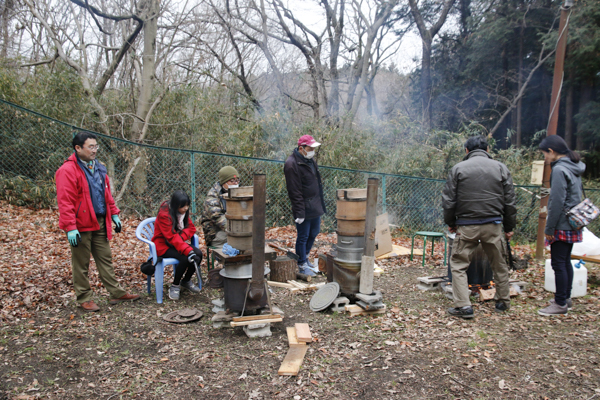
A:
x: 579, y: 288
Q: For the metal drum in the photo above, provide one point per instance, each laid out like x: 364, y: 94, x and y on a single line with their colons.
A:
x: 350, y: 248
x: 235, y: 292
x: 347, y: 275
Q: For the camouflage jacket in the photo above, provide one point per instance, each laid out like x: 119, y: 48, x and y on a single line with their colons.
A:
x: 213, y: 214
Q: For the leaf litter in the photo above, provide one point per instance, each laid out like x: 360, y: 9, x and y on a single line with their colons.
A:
x: 50, y: 349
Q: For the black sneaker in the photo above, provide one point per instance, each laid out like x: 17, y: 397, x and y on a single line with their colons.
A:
x: 501, y: 307
x: 463, y: 312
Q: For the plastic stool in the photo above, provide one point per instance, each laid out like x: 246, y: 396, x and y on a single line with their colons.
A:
x: 425, y: 235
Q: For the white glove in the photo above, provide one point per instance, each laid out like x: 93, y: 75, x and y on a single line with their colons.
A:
x: 299, y: 220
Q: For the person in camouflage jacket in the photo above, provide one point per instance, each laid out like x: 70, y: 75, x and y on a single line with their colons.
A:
x: 213, y: 221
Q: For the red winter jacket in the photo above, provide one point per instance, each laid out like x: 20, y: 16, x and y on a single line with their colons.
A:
x: 164, y: 235
x: 74, y: 200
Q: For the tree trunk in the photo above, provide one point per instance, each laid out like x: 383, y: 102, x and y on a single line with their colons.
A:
x: 283, y: 269
x: 569, y: 110
x: 426, y: 84
x: 519, y: 134
x: 585, y: 97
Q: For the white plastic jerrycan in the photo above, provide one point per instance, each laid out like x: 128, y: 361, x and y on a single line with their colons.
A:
x: 579, y: 288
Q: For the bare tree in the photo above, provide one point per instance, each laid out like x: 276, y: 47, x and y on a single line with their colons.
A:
x: 427, y: 36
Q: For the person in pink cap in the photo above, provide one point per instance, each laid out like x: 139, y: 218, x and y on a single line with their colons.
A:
x: 305, y: 189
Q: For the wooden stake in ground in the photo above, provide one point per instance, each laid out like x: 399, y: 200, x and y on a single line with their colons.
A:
x: 368, y: 260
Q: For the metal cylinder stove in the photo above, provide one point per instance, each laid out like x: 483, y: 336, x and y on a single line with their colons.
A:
x: 350, y: 215
x: 239, y: 271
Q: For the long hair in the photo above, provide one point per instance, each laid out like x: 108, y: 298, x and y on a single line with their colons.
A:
x: 179, y: 199
x: 558, y: 145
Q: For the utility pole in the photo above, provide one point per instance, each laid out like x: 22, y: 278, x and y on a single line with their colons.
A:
x: 561, y: 49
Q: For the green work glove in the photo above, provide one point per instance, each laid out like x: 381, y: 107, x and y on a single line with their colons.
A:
x: 74, y: 237
x: 117, y: 222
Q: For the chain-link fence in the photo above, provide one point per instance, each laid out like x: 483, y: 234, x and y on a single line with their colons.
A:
x: 34, y: 146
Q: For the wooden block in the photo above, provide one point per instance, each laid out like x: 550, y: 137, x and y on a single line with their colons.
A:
x: 303, y: 333
x: 283, y: 269
x: 280, y: 284
x: 353, y: 309
x: 397, y: 251
x: 256, y: 321
x: 255, y: 317
x: 292, y: 338
x: 366, y: 274
x: 293, y: 360
x: 488, y: 294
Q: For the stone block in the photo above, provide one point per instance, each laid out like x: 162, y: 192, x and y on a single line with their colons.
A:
x: 339, y: 304
x: 258, y: 330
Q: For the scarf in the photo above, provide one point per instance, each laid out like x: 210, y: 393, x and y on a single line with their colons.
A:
x: 180, y: 221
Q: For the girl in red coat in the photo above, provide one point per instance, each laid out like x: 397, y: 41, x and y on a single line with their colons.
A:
x: 172, y: 229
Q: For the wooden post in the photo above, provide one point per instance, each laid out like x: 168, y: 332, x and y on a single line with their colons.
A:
x: 368, y: 259
x: 283, y: 269
x: 561, y: 49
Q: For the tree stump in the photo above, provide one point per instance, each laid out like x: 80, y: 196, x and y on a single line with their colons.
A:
x: 283, y: 269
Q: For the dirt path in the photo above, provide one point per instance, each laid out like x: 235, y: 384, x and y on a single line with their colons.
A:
x: 415, y: 350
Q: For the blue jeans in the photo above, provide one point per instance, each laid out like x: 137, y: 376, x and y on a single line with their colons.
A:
x: 560, y: 253
x: 307, y: 232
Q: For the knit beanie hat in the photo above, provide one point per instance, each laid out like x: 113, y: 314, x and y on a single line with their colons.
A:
x: 227, y: 173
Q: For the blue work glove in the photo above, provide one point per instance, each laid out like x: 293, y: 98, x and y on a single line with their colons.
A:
x: 74, y: 237
x: 194, y: 258
x: 117, y: 222
x: 228, y: 250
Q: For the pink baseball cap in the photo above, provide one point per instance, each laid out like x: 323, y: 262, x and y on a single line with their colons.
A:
x: 308, y: 140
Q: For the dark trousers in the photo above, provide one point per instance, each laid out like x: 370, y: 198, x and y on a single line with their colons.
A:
x: 307, y: 232
x: 184, y: 266
x: 563, y: 270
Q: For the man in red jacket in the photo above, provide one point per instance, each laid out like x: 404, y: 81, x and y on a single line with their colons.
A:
x: 86, y: 208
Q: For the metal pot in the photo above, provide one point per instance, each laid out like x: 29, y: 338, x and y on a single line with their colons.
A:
x: 350, y: 248
x: 347, y: 275
x: 235, y: 292
x: 239, y: 271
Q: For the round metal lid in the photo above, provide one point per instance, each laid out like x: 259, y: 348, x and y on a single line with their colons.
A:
x: 324, y: 296
x: 183, y: 316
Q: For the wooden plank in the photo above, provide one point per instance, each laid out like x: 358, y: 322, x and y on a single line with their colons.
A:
x: 256, y: 321
x: 488, y: 294
x: 303, y: 332
x: 353, y: 309
x: 280, y: 284
x: 366, y: 274
x: 398, y: 251
x: 255, y: 317
x: 592, y: 259
x: 291, y: 333
x: 297, y: 284
x: 293, y: 360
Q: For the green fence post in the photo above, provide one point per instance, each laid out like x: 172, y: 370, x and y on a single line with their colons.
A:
x: 383, y: 200
x: 193, y: 183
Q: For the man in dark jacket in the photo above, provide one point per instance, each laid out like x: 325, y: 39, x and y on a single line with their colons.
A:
x: 306, y: 195
x: 86, y: 209
x: 478, y: 199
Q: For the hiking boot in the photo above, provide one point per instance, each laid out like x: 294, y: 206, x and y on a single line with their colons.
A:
x: 569, y: 303
x: 305, y: 269
x: 501, y: 307
x: 174, y: 292
x: 554, y: 309
x: 125, y: 297
x: 189, y: 285
x: 463, y: 312
x: 89, y: 306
